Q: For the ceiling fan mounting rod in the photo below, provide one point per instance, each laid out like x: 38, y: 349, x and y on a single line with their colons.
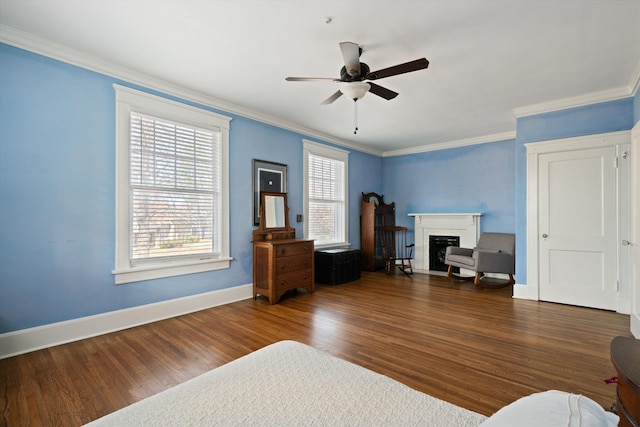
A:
x: 355, y: 116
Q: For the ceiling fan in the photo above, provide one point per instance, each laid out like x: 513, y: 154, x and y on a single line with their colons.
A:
x: 354, y: 73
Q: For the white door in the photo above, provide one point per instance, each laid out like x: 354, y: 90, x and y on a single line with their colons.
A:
x: 578, y: 227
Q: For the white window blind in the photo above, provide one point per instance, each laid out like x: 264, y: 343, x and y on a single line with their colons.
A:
x: 175, y: 182
x: 326, y: 199
x: 326, y: 195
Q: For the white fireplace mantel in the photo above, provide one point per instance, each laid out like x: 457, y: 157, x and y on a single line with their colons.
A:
x: 464, y: 225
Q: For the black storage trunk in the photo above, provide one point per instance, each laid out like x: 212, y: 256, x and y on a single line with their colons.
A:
x: 336, y: 266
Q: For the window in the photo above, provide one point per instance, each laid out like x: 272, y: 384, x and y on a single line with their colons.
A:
x: 325, y: 199
x: 171, y: 188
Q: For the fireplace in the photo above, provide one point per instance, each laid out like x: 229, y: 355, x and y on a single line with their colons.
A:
x: 464, y: 226
x: 437, y: 248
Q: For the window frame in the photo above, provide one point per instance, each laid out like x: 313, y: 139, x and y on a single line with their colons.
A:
x: 321, y: 150
x: 126, y: 271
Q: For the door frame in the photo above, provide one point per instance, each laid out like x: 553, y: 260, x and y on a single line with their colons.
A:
x: 634, y: 274
x: 534, y: 150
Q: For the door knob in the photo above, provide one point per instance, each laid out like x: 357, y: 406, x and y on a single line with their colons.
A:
x: 545, y: 235
x: 626, y: 243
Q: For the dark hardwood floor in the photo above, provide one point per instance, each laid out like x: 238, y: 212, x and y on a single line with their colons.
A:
x: 480, y: 349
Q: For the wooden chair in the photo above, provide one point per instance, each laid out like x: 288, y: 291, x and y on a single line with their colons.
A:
x: 395, y: 249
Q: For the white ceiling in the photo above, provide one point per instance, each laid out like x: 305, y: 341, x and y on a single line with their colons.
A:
x: 487, y: 57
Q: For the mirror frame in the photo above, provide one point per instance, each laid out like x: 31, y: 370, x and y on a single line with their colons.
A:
x: 263, y: 210
x: 273, y: 233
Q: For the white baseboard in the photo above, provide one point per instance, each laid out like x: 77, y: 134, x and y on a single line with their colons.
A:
x: 525, y: 292
x: 624, y: 305
x: 635, y: 325
x: 26, y: 340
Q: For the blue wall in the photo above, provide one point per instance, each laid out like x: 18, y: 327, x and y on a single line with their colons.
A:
x: 57, y: 192
x: 478, y: 178
x: 592, y: 119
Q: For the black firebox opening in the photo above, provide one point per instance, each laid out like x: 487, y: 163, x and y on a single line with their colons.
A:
x: 437, y: 248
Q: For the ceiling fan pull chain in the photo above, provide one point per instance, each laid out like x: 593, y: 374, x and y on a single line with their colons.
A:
x: 355, y: 116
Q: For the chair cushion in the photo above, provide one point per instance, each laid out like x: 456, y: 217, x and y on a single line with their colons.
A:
x: 494, y: 262
x: 460, y: 260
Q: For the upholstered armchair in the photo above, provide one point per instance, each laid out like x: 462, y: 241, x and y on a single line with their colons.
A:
x: 494, y: 253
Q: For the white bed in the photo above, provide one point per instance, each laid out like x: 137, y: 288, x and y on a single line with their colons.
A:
x: 292, y: 384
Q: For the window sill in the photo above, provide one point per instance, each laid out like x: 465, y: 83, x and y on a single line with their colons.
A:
x: 333, y: 246
x: 149, y: 272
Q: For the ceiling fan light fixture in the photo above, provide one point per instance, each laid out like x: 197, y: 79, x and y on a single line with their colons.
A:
x: 355, y: 90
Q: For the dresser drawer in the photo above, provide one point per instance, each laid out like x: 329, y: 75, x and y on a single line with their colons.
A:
x: 298, y: 279
x: 290, y: 264
x: 294, y: 249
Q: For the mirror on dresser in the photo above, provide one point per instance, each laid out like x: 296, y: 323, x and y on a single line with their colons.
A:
x: 274, y: 218
x: 273, y: 212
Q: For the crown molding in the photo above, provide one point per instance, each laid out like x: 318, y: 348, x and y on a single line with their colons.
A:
x: 580, y: 101
x: 453, y: 144
x: 577, y: 101
x: 38, y: 45
x: 634, y: 83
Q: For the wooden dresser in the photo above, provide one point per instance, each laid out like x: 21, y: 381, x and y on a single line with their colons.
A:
x: 282, y: 265
x: 625, y: 355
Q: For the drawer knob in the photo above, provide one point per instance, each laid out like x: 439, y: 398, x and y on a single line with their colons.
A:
x: 283, y: 266
x: 282, y: 251
x: 283, y: 282
x: 306, y: 248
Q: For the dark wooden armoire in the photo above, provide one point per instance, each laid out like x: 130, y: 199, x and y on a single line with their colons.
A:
x: 375, y: 215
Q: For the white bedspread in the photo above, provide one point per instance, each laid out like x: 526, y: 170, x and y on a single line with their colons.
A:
x: 291, y: 384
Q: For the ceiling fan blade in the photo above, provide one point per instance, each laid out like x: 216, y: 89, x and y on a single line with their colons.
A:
x: 382, y: 91
x: 407, y: 67
x: 351, y: 55
x: 332, y: 98
x: 311, y: 79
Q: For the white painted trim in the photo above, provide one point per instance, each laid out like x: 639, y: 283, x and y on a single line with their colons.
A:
x: 496, y: 137
x: 624, y: 305
x: 577, y: 101
x: 533, y: 279
x: 635, y: 325
x: 529, y: 292
x: 634, y: 83
x: 59, y: 52
x: 610, y: 139
x: 533, y: 152
x: 580, y: 101
x: 634, y: 274
x: 26, y: 340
